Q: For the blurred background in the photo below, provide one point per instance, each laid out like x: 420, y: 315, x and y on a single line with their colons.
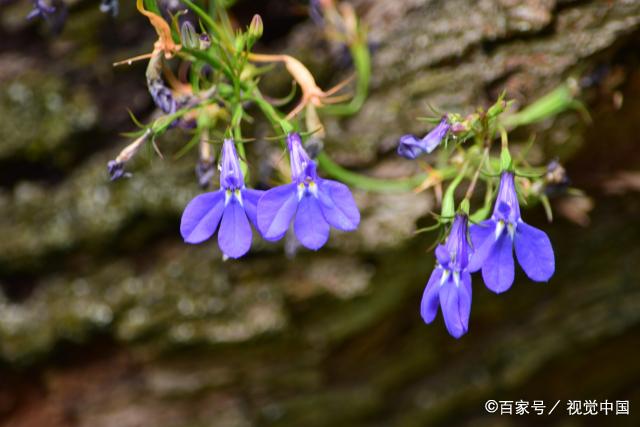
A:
x: 108, y: 319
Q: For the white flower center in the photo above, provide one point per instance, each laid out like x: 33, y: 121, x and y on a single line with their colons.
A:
x: 310, y: 187
x: 237, y: 194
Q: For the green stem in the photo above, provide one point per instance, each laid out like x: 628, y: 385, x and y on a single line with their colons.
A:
x: 362, y: 64
x: 237, y: 135
x: 206, y: 57
x: 267, y: 109
x: 555, y: 102
x: 367, y: 183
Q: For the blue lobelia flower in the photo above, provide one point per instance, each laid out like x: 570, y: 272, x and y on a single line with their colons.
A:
x: 110, y: 6
x: 228, y: 207
x: 52, y: 11
x: 411, y: 147
x: 316, y: 203
x: 41, y: 8
x: 450, y: 283
x: 494, y: 239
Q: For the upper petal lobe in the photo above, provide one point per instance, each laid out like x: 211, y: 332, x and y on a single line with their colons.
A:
x: 201, y: 217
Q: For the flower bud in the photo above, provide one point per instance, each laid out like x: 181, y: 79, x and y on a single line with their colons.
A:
x: 496, y: 109
x: 205, y: 41
x: 188, y: 36
x: 256, y: 27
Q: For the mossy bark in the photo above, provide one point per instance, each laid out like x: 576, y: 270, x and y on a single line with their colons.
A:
x: 107, y: 318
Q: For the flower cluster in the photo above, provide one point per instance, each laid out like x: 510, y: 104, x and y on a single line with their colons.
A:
x: 218, y: 92
x: 487, y: 246
x: 222, y: 85
x: 313, y: 204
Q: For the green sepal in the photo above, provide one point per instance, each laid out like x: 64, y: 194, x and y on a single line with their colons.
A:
x: 448, y: 201
x: 464, y: 207
x: 287, y: 127
x: 506, y: 164
x: 498, y: 107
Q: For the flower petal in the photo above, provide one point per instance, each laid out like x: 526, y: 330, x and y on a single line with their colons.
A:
x: 250, y: 200
x: 455, y: 301
x: 498, y: 270
x: 409, y: 147
x: 534, y: 252
x: 430, y: 301
x: 337, y: 204
x: 276, y: 207
x: 309, y: 225
x: 234, y: 237
x: 434, y: 138
x: 201, y: 217
x: 482, y: 238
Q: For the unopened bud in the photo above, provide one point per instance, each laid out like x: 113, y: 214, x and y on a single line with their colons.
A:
x: 205, y: 41
x: 256, y: 27
x: 188, y: 36
x: 496, y: 109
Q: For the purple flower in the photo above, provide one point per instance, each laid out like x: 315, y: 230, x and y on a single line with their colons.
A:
x: 411, y: 147
x: 41, y: 8
x: 110, y: 6
x: 228, y: 207
x: 52, y: 11
x: 116, y: 170
x: 315, y: 203
x: 450, y: 283
x: 494, y: 239
x: 162, y: 96
x: 315, y: 12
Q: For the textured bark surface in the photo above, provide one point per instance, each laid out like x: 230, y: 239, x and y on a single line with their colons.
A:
x: 108, y: 319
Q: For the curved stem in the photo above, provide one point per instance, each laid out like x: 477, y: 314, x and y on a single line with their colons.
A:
x: 362, y: 64
x: 474, y: 180
x: 368, y: 183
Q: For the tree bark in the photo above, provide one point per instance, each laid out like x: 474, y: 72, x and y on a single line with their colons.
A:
x: 108, y: 319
